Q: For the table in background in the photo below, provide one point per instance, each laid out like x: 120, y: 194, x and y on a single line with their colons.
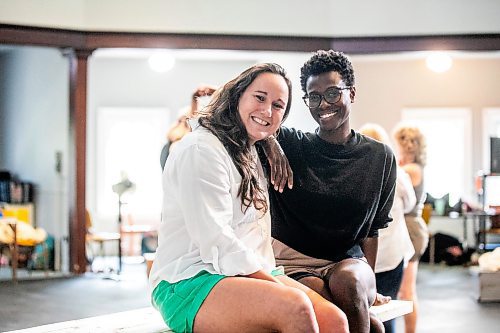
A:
x: 479, y: 220
x: 131, y: 230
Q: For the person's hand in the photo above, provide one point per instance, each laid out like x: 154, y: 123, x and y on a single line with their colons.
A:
x: 199, y: 92
x: 381, y: 299
x: 203, y: 91
x: 281, y: 172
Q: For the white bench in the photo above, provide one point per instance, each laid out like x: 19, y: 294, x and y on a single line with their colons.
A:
x: 145, y: 320
x: 148, y: 320
x: 393, y: 309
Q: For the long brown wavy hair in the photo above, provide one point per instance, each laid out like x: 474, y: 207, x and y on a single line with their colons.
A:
x: 221, y: 117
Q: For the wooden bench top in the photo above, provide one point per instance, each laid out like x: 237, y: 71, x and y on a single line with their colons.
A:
x: 148, y: 320
x: 145, y: 320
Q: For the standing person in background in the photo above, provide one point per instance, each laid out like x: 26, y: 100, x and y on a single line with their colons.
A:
x: 214, y: 269
x: 181, y: 126
x: 411, y: 147
x: 394, y: 244
x: 325, y: 228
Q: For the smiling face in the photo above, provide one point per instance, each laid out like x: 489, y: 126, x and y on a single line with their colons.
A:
x: 262, y: 106
x: 333, y: 119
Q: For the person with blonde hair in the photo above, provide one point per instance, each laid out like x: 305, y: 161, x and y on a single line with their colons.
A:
x: 411, y: 147
x: 394, y: 244
x: 214, y: 269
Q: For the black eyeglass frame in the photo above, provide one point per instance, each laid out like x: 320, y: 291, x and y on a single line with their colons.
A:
x: 322, y: 96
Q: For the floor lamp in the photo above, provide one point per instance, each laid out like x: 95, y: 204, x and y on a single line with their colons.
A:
x: 121, y: 188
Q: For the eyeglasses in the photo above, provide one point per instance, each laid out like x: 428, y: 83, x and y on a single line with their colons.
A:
x: 331, y: 96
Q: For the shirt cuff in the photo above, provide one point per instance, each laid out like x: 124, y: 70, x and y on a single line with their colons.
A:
x: 235, y: 263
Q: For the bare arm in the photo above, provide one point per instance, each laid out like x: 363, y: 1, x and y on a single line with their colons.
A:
x: 415, y: 172
x: 281, y: 172
x: 370, y: 247
x: 262, y: 275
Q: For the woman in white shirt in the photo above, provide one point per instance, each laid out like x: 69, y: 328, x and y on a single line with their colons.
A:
x: 214, y: 269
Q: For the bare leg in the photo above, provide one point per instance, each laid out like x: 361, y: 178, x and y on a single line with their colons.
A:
x: 239, y: 304
x: 323, y: 289
x: 318, y: 285
x: 408, y: 292
x: 352, y: 285
x: 330, y: 318
x: 376, y: 326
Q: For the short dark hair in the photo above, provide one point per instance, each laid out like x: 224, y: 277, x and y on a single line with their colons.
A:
x: 327, y: 61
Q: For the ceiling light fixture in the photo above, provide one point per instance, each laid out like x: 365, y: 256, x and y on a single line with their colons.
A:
x: 439, y: 62
x: 161, y: 62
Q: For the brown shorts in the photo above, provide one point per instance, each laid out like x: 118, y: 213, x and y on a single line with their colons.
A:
x: 419, y: 235
x: 298, y: 265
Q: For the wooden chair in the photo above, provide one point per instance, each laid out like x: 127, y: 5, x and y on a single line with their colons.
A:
x: 98, y: 237
x: 20, y: 239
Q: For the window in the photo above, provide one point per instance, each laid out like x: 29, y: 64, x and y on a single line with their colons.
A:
x: 491, y: 127
x: 448, y: 136
x: 129, y: 140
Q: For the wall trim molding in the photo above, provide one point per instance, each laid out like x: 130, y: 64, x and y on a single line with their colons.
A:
x: 90, y: 40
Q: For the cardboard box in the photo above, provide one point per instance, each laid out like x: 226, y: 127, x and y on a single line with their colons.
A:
x: 489, y: 287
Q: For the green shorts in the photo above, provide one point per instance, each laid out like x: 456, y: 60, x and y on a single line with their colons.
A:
x: 178, y: 303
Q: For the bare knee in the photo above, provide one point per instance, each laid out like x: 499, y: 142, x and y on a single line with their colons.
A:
x: 349, y: 286
x: 331, y: 319
x: 298, y: 313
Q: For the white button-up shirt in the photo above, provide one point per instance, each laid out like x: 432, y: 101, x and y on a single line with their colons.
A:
x: 203, y: 226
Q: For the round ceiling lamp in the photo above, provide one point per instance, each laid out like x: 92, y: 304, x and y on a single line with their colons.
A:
x: 161, y: 62
x: 439, y: 62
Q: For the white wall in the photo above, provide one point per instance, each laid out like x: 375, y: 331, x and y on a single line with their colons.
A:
x: 35, y: 126
x: 3, y: 89
x: 129, y: 82
x: 261, y: 17
x: 34, y: 103
x: 385, y: 85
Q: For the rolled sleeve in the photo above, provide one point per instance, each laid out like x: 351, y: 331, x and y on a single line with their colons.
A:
x: 383, y: 216
x: 204, y: 192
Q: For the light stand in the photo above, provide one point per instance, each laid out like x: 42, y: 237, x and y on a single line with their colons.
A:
x: 120, y: 188
x: 120, y: 232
